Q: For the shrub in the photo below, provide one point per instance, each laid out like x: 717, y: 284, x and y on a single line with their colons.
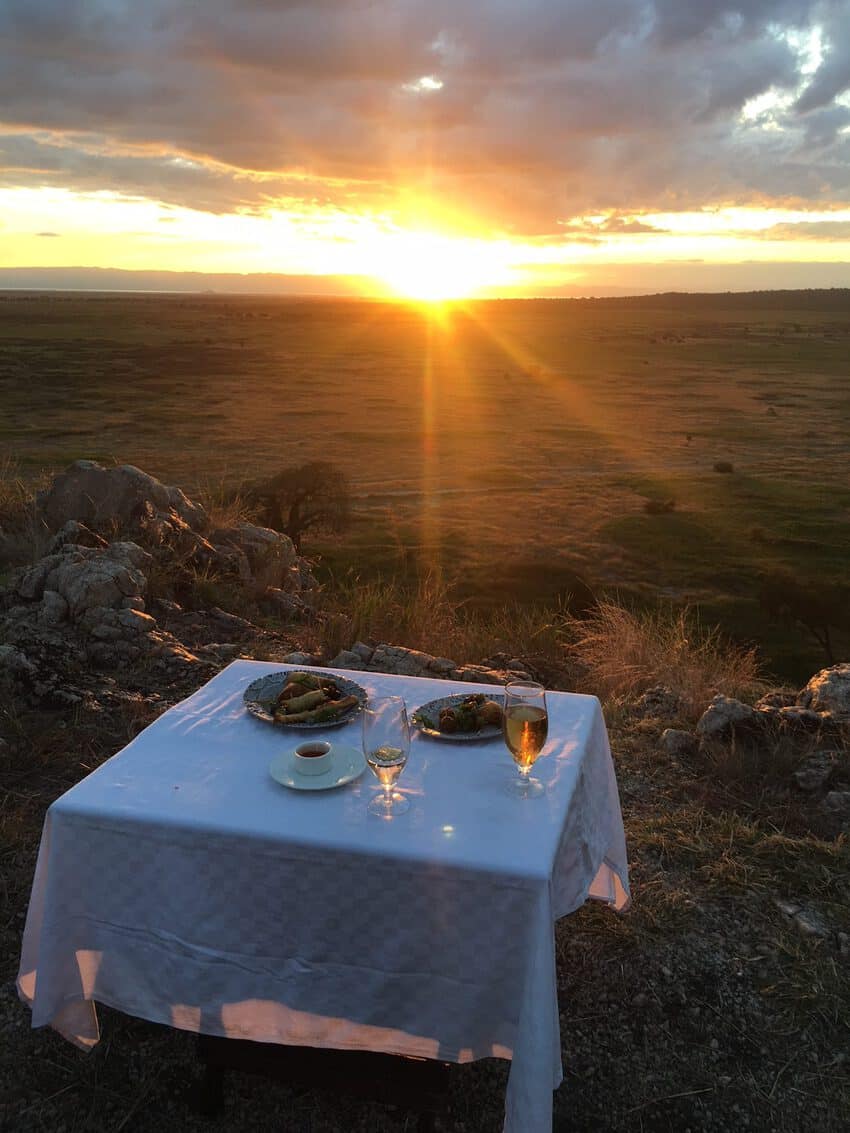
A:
x: 659, y: 507
x: 624, y: 652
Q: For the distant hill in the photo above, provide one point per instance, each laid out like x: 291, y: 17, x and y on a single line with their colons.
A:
x: 655, y: 283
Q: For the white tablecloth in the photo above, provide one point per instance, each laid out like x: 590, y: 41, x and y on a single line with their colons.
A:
x: 181, y: 884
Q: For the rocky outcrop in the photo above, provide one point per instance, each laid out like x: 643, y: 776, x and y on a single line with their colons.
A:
x: 88, y: 505
x: 405, y: 662
x: 97, y: 594
x: 124, y: 496
x: 828, y: 692
x: 725, y: 716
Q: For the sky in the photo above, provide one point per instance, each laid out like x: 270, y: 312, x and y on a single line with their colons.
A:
x: 431, y: 147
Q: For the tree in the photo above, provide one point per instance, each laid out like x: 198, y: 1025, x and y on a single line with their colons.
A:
x: 819, y: 607
x: 309, y: 497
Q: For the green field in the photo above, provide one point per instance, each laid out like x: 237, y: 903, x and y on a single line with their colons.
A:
x: 509, y: 444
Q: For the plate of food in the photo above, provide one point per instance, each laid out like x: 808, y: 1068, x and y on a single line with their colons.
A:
x: 303, y: 699
x: 461, y: 718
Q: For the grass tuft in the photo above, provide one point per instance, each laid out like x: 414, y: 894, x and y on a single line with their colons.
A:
x: 624, y: 652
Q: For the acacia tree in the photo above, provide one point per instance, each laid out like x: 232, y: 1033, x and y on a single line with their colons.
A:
x: 307, y: 497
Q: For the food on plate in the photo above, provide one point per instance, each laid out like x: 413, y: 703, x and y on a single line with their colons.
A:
x: 307, y: 698
x: 471, y: 714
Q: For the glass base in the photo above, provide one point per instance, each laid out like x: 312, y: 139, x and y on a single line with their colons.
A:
x: 385, y: 806
x: 524, y: 787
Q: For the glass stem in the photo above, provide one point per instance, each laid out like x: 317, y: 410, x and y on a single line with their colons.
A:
x: 388, y: 793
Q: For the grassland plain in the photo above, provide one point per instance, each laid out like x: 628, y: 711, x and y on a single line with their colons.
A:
x: 506, y: 444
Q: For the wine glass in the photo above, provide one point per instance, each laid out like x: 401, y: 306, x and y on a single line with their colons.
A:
x: 386, y: 743
x: 526, y: 726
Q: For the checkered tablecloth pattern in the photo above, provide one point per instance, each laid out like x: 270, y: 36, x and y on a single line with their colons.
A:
x: 181, y: 884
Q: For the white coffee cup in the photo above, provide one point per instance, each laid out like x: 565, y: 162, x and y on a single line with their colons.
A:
x: 313, y: 757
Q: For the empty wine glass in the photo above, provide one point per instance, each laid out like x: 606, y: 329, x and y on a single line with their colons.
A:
x: 526, y: 726
x: 386, y: 743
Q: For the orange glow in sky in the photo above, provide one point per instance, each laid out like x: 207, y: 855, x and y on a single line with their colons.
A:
x: 429, y: 150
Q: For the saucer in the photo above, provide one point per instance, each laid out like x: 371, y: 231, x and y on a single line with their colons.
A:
x: 347, y: 765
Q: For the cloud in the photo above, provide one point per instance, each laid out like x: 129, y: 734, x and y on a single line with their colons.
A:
x: 518, y: 115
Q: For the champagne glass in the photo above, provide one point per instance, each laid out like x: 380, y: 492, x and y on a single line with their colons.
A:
x: 386, y: 743
x: 526, y: 726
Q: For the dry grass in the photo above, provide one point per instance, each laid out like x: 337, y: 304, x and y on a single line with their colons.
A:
x: 226, y: 500
x: 23, y: 535
x: 426, y: 617
x: 624, y: 652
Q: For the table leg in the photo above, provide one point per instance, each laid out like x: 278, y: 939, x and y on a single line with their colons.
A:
x: 418, y: 1085
x: 211, y: 1092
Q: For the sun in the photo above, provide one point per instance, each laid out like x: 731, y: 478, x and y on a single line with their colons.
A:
x: 428, y: 267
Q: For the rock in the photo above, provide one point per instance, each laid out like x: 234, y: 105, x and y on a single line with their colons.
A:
x: 298, y: 658
x: 53, y: 609
x: 659, y: 702
x: 800, y: 719
x: 169, y: 607
x: 31, y: 585
x: 838, y: 801
x: 677, y: 743
x: 809, y: 924
x: 400, y: 660
x: 89, y: 577
x: 14, y: 662
x: 269, y: 554
x: 442, y: 666
x: 725, y: 715
x: 364, y: 651
x: 480, y: 675
x: 779, y: 699
x: 113, y: 496
x: 816, y: 772
x: 288, y: 605
x: 75, y: 532
x: 829, y: 691
x: 232, y: 621
x: 347, y: 659
x: 133, y: 603
x: 136, y: 621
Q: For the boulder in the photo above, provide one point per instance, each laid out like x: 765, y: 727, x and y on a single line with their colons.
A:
x: 678, y: 744
x: 290, y: 606
x: 53, y: 609
x: 347, y: 659
x: 480, y: 674
x: 799, y: 719
x: 14, y: 662
x: 414, y: 663
x: 725, y: 715
x: 838, y: 802
x: 829, y: 691
x: 298, y: 658
x: 75, y: 532
x: 816, y: 772
x: 401, y: 661
x: 103, y: 497
x: 778, y: 699
x: 270, y: 555
x: 88, y: 577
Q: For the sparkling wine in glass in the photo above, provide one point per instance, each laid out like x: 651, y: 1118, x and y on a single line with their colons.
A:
x: 526, y: 726
x: 386, y: 743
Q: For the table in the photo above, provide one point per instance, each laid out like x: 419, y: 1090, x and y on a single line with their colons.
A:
x: 179, y: 883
